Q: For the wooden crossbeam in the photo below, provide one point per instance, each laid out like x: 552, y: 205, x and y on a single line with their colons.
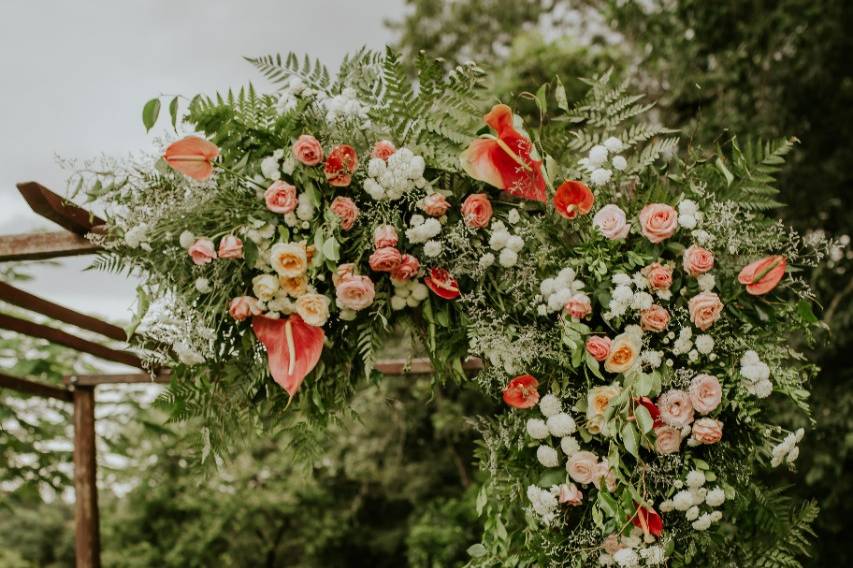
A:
x: 66, y: 339
x: 26, y: 386
x: 56, y: 208
x: 40, y: 246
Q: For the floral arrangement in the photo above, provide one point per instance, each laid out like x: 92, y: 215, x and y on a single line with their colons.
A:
x: 633, y: 308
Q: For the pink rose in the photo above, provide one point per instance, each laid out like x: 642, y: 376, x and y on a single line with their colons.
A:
x: 654, y: 319
x: 435, y: 205
x: 343, y: 272
x: 383, y: 150
x: 385, y: 259
x: 579, y: 306
x: 598, y: 347
x: 658, y: 275
x: 603, y: 472
x: 583, y: 467
x: 230, y: 247
x: 667, y: 439
x: 280, y: 197
x: 697, y: 260
x: 658, y: 221
x: 307, y: 150
x: 705, y: 308
x: 355, y: 292
x: 408, y: 268
x: 340, y: 164
x: 202, y: 251
x: 707, y: 431
x: 345, y: 210
x: 477, y: 210
x: 610, y: 220
x: 675, y: 408
x: 570, y: 494
x: 705, y: 393
x: 384, y: 236
x: 244, y: 307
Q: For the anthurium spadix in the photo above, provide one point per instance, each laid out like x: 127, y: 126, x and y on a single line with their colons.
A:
x: 293, y: 348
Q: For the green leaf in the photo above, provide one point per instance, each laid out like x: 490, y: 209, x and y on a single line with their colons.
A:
x: 644, y: 384
x: 173, y: 112
x: 725, y: 171
x: 608, y: 504
x: 150, y: 112
x: 644, y: 419
x: 482, y: 500
x: 476, y: 550
x: 332, y: 249
x: 804, y: 309
x: 631, y: 439
x: 560, y: 95
x: 142, y: 304
x: 552, y: 477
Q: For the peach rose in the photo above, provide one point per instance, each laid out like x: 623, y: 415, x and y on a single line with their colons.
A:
x: 667, y: 440
x: 385, y: 259
x: 705, y: 393
x: 477, y: 210
x: 289, y: 259
x: 408, y: 268
x: 697, y: 260
x: 355, y: 292
x: 658, y: 221
x: 570, y: 494
x: 583, y: 467
x: 707, y: 431
x: 384, y: 236
x: 230, y: 247
x: 307, y: 150
x: 435, y: 205
x: 658, y: 275
x: 202, y: 251
x: 654, y: 319
x: 579, y: 306
x: 343, y: 272
x: 280, y: 197
x: 244, y: 307
x: 598, y: 347
x: 346, y: 210
x: 624, y: 351
x: 383, y: 150
x: 313, y: 309
x: 610, y: 220
x: 675, y: 408
x: 705, y: 309
x: 295, y: 286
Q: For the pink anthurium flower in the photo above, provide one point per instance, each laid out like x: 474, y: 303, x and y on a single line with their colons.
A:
x: 505, y: 161
x: 293, y: 348
x: 192, y: 156
x: 763, y: 275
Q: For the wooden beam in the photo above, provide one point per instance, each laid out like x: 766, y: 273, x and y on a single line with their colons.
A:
x: 23, y: 299
x: 87, y: 541
x: 91, y: 380
x: 34, y: 388
x: 62, y: 338
x: 56, y: 208
x: 39, y: 246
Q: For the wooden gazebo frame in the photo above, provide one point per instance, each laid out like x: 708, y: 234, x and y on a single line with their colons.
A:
x: 79, y: 389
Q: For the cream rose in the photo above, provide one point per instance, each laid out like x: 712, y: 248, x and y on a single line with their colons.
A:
x: 697, y: 260
x: 583, y: 467
x: 705, y: 309
x: 654, y: 319
x: 658, y: 221
x: 675, y: 408
x: 707, y: 431
x: 289, y: 259
x: 611, y: 221
x: 355, y: 292
x: 604, y: 472
x: 624, y: 351
x: 281, y: 197
x: 598, y: 347
x: 295, y: 286
x: 265, y: 286
x: 667, y: 439
x: 244, y: 307
x: 705, y: 393
x: 313, y: 309
x: 307, y: 150
x: 597, y: 400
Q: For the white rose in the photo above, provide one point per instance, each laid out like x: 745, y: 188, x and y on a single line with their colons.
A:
x: 264, y: 287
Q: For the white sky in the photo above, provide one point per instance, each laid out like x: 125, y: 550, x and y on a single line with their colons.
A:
x: 76, y: 74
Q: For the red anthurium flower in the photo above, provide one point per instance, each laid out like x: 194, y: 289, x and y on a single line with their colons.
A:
x: 192, y: 156
x: 340, y: 165
x: 573, y: 198
x: 648, y: 520
x: 504, y: 161
x: 653, y: 409
x: 763, y: 275
x: 442, y: 283
x: 521, y: 392
x: 293, y: 348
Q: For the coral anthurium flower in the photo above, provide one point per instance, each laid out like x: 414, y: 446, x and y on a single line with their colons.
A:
x: 521, y: 392
x: 442, y: 283
x: 192, y: 156
x: 573, y: 198
x: 504, y: 161
x: 293, y: 348
x: 653, y: 409
x: 763, y: 275
x: 648, y: 520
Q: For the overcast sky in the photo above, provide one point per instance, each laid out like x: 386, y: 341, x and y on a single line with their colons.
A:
x: 76, y: 74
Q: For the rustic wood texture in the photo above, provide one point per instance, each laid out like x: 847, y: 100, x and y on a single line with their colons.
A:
x: 66, y: 339
x: 116, y: 379
x: 40, y: 246
x: 34, y: 388
x: 87, y: 546
x: 56, y: 208
x: 24, y: 299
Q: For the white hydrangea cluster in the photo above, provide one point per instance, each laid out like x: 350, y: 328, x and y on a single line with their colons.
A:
x: 684, y: 343
x: 186, y: 354
x: 272, y: 167
x: 291, y: 89
x: 689, y: 216
x: 596, y: 161
x: 544, y: 502
x: 623, y: 297
x: 558, y: 291
x: 408, y: 293
x: 695, y: 497
x: 556, y: 423
x: 706, y: 282
x: 787, y: 450
x: 345, y: 106
x: 136, y: 237
x: 632, y: 552
x: 390, y: 179
x: 421, y: 230
x: 651, y: 358
x: 756, y: 375
x: 505, y: 243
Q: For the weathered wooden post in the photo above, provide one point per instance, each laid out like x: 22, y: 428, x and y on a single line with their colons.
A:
x: 86, y: 521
